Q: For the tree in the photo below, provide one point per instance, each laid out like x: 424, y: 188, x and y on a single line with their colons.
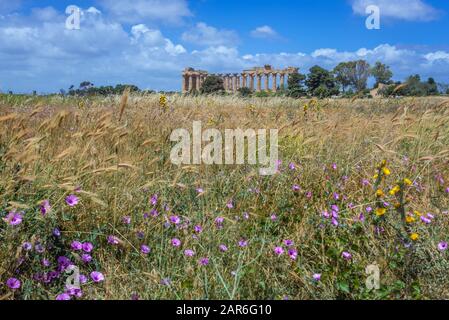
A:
x: 342, y: 74
x: 382, y: 73
x: 361, y: 74
x: 296, y: 84
x: 319, y: 77
x: 212, y: 84
x: 432, y: 87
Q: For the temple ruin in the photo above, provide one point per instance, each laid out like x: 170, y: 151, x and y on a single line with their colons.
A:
x: 192, y: 80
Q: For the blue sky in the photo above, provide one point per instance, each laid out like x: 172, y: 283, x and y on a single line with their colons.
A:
x: 149, y: 42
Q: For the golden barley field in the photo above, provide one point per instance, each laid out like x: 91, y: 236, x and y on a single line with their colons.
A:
x: 88, y: 182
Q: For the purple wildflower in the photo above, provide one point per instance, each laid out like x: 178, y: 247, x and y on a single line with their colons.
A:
x: 88, y: 247
x: 442, y: 246
x: 126, y: 220
x: 87, y: 258
x: 97, y: 276
x: 154, y: 199
x: 175, y: 220
x: 288, y: 243
x: 198, y: 229
x: 223, y: 248
x: 293, y: 254
x: 346, y: 255
x: 145, y: 249
x: 76, y: 245
x: 204, y: 261
x: 189, y: 253
x: 317, y: 277
x: 113, y: 240
x: 176, y: 242
x: 13, y: 283
x: 14, y: 218
x: 27, y: 246
x: 243, y: 243
x: 278, y: 251
x: 45, y: 207
x: 72, y: 200
x: 63, y: 297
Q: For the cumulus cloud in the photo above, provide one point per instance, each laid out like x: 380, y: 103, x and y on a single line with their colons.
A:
x: 411, y: 10
x: 205, y: 35
x: 264, y: 32
x: 143, y: 11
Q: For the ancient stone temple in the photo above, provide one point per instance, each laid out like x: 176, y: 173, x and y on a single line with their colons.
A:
x: 257, y: 79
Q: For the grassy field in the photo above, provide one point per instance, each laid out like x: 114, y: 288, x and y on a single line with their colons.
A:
x: 361, y: 182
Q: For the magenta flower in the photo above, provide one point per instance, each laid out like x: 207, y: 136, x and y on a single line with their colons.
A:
x: 230, y: 204
x: 113, y: 240
x: 97, y: 276
x: 27, y: 246
x: 346, y: 255
x: 288, y: 243
x: 292, y: 166
x: 45, y: 207
x: 246, y: 215
x: 296, y: 188
x: 154, y: 199
x: 204, y: 261
x: 72, y: 200
x: 442, y: 246
x: 63, y: 297
x: 243, y: 243
x: 317, y: 277
x: 176, y: 242
x: 273, y: 217
x: 145, y: 249
x: 293, y: 254
x: 223, y: 248
x: 198, y: 229
x: 76, y: 245
x: 335, y: 222
x: 175, y: 220
x: 126, y: 220
x: 88, y: 247
x: 278, y: 251
x: 14, y: 218
x: 200, y: 190
x: 219, y: 222
x: 325, y: 214
x: 447, y: 190
x: 87, y: 258
x: 334, y: 166
x: 13, y: 283
x: 189, y: 253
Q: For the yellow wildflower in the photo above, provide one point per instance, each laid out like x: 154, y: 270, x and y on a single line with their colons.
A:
x: 379, y: 193
x: 414, y: 236
x: 408, y: 182
x: 410, y: 219
x: 386, y: 171
x: 380, y: 211
x: 395, y: 190
x: 419, y: 214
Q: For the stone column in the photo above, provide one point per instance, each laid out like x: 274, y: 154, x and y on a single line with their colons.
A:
x: 251, y: 86
x: 267, y: 81
x: 183, y: 88
x: 244, y: 80
x: 237, y: 76
x: 275, y: 81
x: 190, y: 88
x: 259, y: 82
x: 282, y: 80
x: 197, y: 77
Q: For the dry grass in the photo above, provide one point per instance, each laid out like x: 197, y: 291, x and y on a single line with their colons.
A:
x: 113, y: 153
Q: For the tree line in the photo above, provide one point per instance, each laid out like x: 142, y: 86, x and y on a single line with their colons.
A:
x: 346, y: 79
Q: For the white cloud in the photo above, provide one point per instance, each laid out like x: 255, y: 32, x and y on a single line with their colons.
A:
x: 7, y: 6
x: 411, y: 10
x: 143, y: 11
x: 205, y: 35
x: 264, y: 32
x: 437, y: 56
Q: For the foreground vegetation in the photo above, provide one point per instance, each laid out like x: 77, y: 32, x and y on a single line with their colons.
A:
x: 89, y: 182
